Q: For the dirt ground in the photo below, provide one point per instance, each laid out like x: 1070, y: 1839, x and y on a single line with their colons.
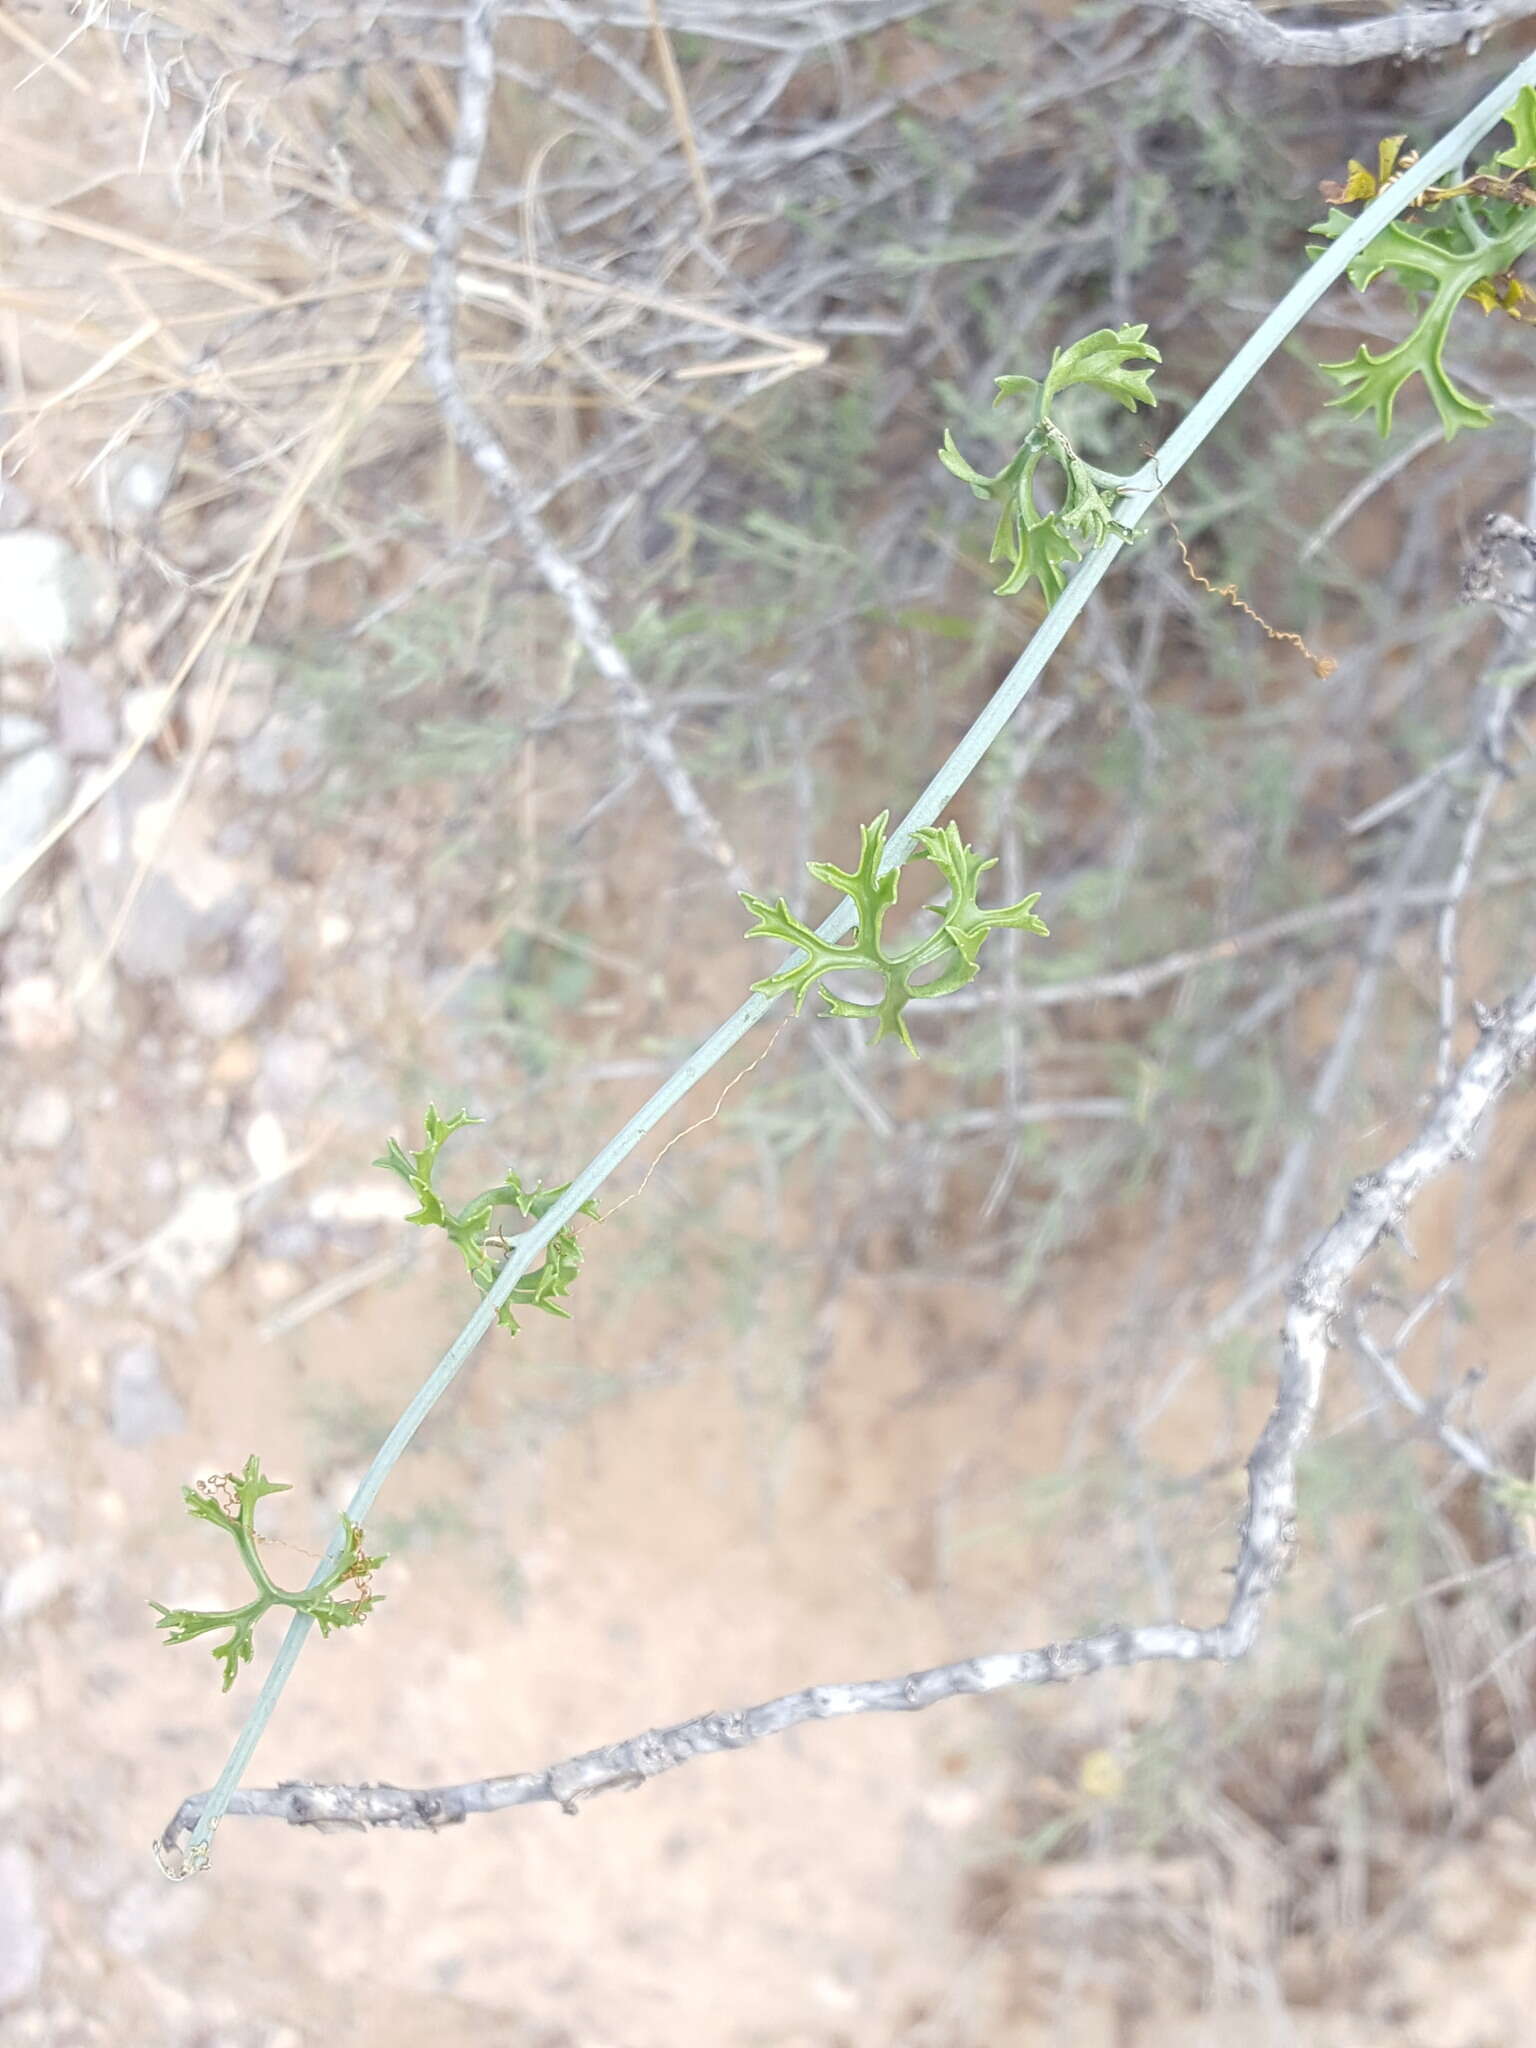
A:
x: 706, y: 1490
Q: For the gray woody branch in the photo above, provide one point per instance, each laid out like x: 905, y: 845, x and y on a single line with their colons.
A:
x: 1409, y: 35
x: 477, y: 83
x: 1375, y: 1209
x: 477, y: 86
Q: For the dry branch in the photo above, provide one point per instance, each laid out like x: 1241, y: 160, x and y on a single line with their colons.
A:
x: 477, y: 82
x: 1409, y: 35
x: 1375, y: 1209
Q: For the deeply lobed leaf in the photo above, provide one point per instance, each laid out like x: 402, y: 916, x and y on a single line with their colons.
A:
x: 1479, y: 229
x: 185, y: 1624
x: 469, y: 1228
x: 1043, y: 545
x: 953, y: 948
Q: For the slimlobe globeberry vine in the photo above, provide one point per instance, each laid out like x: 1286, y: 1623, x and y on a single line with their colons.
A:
x: 1467, y: 236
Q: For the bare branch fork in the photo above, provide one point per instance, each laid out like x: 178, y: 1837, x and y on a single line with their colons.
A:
x: 1375, y: 1209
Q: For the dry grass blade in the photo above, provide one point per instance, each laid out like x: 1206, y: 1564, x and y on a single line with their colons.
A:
x: 677, y: 99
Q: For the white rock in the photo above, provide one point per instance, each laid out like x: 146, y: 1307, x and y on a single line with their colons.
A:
x: 218, y: 1005
x: 131, y: 485
x: 191, y: 900
x: 87, y: 722
x: 44, y: 1120
x: 51, y: 599
x: 274, y: 1280
x: 18, y: 1710
x: 23, y: 1932
x: 199, y: 1240
x: 294, y: 1069
x: 19, y: 730
x: 290, y: 1240
x: 10, y: 1357
x: 16, y: 508
x: 143, y: 1403
x: 266, y: 1145
x: 34, y: 789
x: 34, y: 1583
x: 286, y: 754
x: 37, y: 1015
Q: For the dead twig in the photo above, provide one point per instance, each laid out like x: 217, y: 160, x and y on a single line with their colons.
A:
x: 1408, y: 35
x: 477, y: 82
x: 1497, y: 709
x: 1375, y: 1208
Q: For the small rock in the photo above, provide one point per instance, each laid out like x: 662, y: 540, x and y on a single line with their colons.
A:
x: 36, y: 1014
x: 199, y: 1240
x: 44, y: 1120
x: 87, y: 726
x: 51, y: 599
x: 239, y: 839
x: 35, y: 1584
x: 218, y: 1005
x: 290, y: 1240
x: 285, y: 755
x: 19, y: 730
x: 131, y: 485
x: 34, y: 789
x: 247, y: 700
x: 18, y: 1710
x: 23, y: 1934
x: 235, y: 1063
x: 144, y: 1406
x: 294, y: 1070
x: 16, y: 508
x: 214, y: 772
x: 161, y: 934
x: 274, y: 1280
x: 75, y: 959
x: 266, y: 1145
x: 10, y: 1358
x: 191, y: 900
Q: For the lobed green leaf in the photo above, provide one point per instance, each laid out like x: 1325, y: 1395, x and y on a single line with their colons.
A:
x: 952, y: 949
